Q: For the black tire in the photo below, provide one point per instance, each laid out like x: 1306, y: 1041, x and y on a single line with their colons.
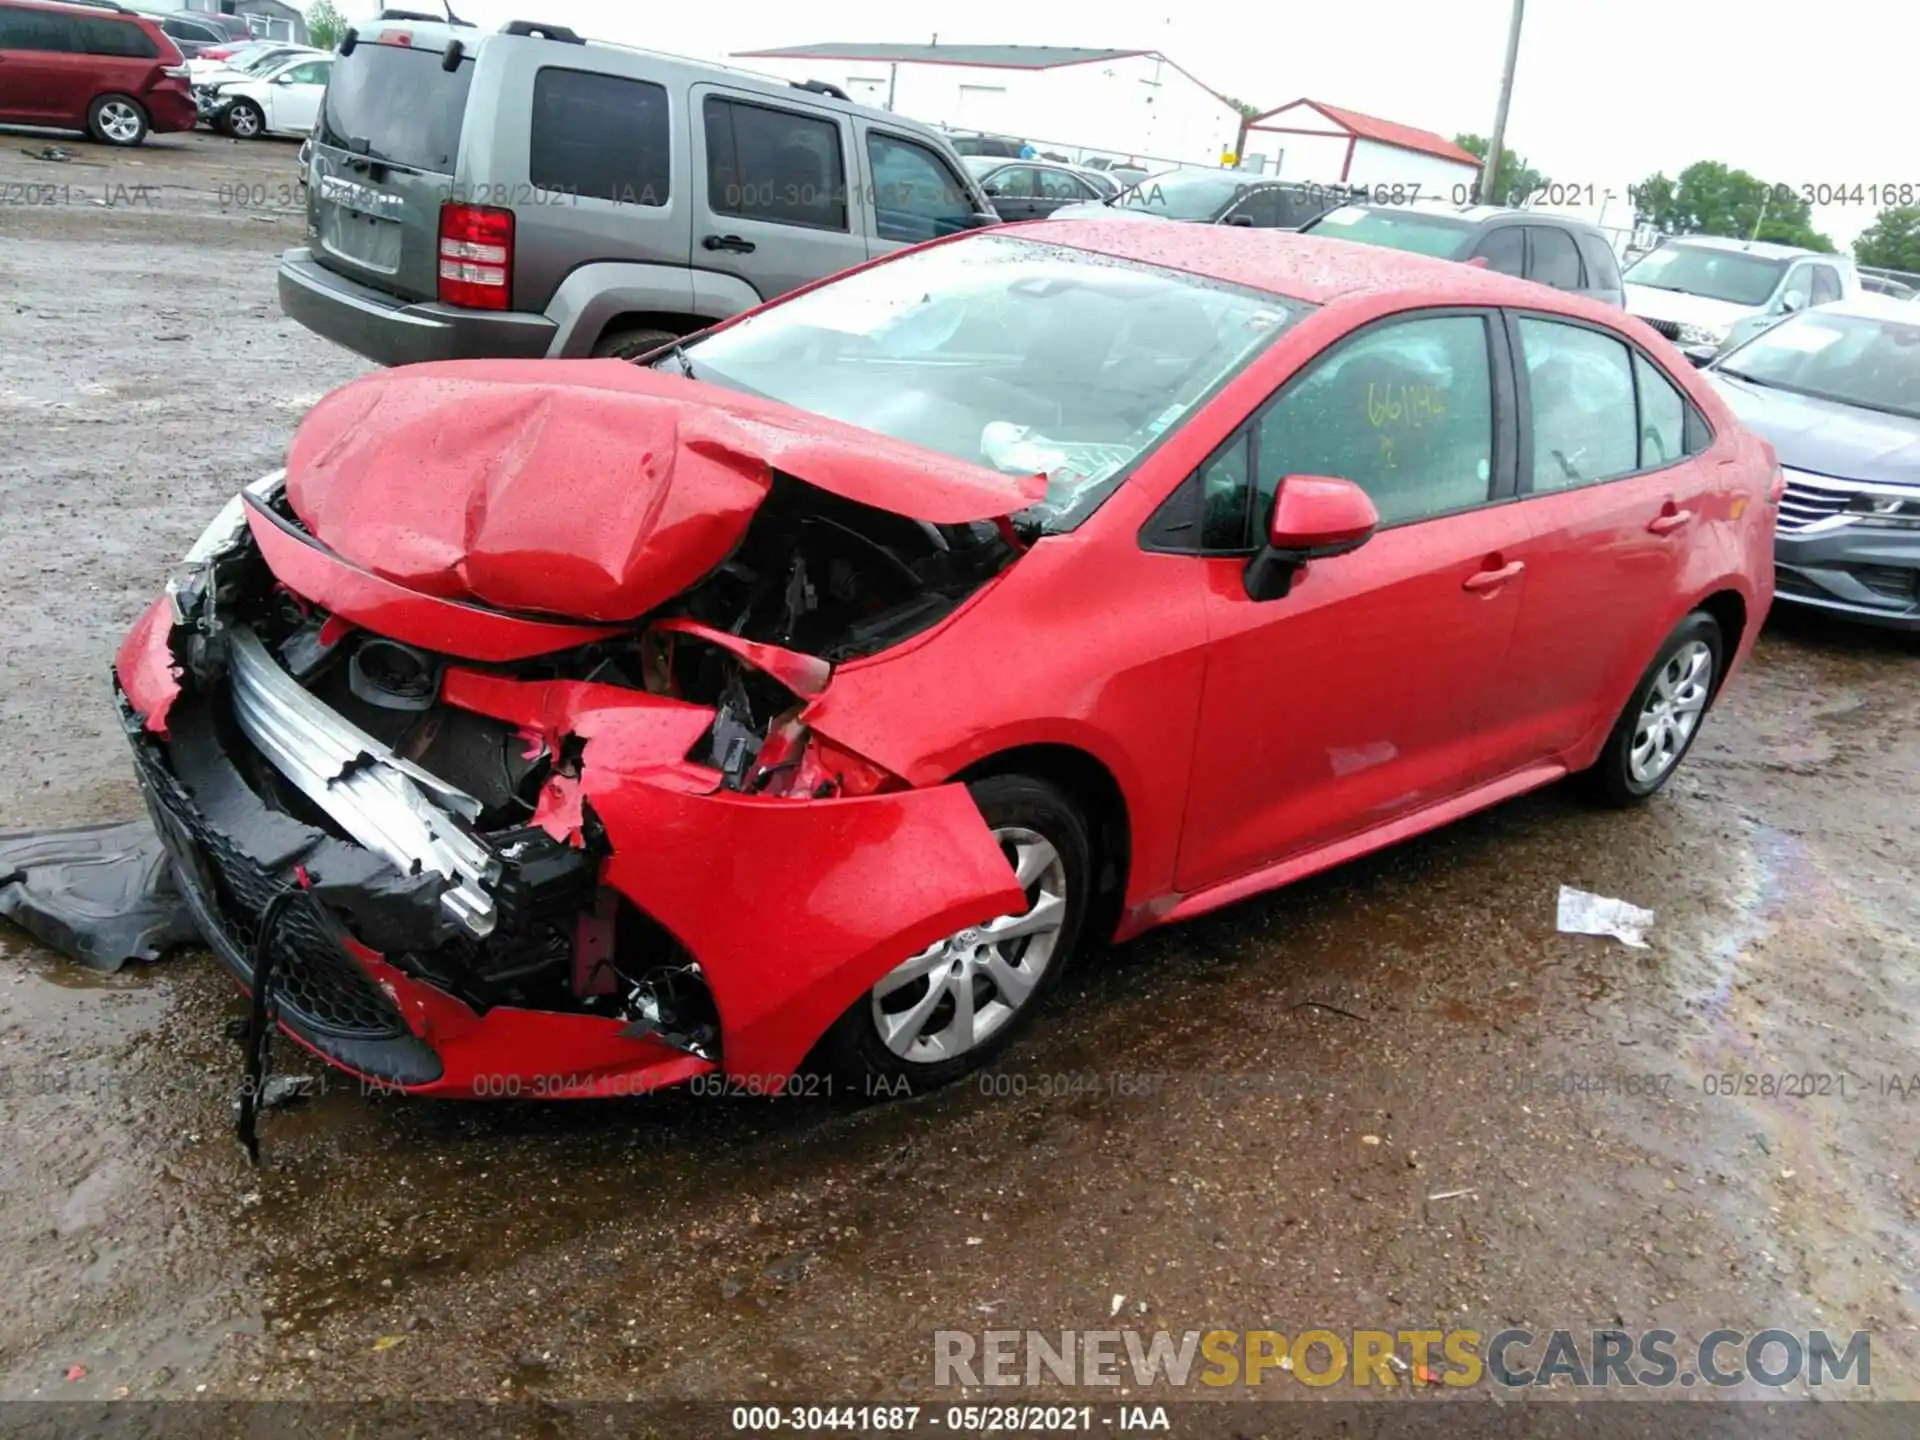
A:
x: 126, y: 116
x: 853, y: 1051
x: 630, y: 344
x: 243, y: 120
x: 1611, y: 778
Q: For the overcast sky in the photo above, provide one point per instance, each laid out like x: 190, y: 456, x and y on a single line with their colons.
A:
x: 1608, y: 91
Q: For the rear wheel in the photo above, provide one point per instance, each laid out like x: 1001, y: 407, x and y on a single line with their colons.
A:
x: 1663, y: 717
x: 952, y: 1007
x: 243, y: 120
x: 117, y: 120
x: 630, y: 344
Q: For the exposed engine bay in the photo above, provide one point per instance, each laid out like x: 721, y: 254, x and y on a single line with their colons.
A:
x: 815, y: 579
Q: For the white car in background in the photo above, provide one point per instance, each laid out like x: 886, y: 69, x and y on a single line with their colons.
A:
x: 1707, y: 294
x: 285, y: 100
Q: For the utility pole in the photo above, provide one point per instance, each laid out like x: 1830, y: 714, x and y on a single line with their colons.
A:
x: 1490, y: 167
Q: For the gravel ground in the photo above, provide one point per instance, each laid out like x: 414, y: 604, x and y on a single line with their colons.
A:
x: 1332, y: 1055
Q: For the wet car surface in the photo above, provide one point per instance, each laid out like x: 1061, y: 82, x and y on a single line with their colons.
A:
x: 1186, y: 1129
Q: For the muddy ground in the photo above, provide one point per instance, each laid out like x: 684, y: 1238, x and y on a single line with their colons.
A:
x: 1408, y: 1026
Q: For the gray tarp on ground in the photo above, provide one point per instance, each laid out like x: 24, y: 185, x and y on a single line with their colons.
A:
x: 103, y: 894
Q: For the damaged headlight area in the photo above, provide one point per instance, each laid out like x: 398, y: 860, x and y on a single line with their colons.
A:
x: 440, y: 807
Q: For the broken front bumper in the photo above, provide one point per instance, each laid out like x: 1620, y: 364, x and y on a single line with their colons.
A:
x: 788, y: 909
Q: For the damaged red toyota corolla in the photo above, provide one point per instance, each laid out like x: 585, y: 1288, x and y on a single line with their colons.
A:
x: 811, y: 695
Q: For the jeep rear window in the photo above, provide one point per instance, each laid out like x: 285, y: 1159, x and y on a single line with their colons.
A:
x: 395, y: 103
x: 599, y: 135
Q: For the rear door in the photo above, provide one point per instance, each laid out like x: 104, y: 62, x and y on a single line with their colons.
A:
x: 1618, y: 500
x: 777, y: 209
x: 386, y: 143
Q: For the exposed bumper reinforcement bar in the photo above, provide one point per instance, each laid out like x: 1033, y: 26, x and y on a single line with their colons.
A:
x: 388, y: 804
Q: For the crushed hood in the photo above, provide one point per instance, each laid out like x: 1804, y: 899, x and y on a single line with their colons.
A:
x: 589, y: 488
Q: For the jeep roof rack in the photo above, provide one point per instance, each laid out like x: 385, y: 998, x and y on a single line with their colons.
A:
x: 541, y: 30
x: 419, y: 17
x: 821, y: 87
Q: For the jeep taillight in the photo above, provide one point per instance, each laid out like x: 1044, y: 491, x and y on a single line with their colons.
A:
x: 476, y: 256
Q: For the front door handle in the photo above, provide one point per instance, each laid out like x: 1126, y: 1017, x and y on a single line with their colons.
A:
x: 728, y: 242
x: 1668, y: 521
x: 1493, y: 579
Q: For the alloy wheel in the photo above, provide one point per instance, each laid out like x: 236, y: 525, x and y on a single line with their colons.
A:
x: 957, y: 993
x: 1674, y: 705
x: 120, y: 122
x: 244, y: 122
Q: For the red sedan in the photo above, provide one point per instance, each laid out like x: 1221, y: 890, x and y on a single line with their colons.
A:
x: 803, y: 700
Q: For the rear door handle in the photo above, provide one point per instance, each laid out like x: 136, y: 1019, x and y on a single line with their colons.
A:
x: 728, y: 242
x: 1669, y: 521
x: 1492, y: 579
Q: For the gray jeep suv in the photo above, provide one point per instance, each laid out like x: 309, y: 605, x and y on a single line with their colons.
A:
x: 524, y: 193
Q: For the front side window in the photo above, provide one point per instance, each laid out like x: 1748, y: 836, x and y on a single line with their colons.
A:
x: 1505, y: 250
x: 1022, y: 356
x: 1731, y: 275
x: 1555, y: 261
x: 915, y: 195
x: 1184, y: 194
x: 1016, y: 182
x: 1580, y: 387
x: 774, y: 165
x: 313, y: 73
x: 602, y: 136
x: 1404, y: 410
x: 1826, y: 284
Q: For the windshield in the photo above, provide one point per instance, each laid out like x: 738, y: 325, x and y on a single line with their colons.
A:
x: 1854, y: 359
x: 1184, y: 194
x: 1444, y: 236
x: 1731, y: 275
x: 397, y: 104
x: 1022, y: 356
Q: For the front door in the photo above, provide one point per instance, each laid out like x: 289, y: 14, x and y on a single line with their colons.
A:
x: 776, y: 208
x: 295, y: 97
x: 1616, y: 517
x: 1361, y: 695
x: 916, y: 194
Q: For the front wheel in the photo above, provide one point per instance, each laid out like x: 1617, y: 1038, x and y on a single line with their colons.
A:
x: 948, y: 1010
x: 243, y: 120
x: 1663, y: 717
x: 117, y: 120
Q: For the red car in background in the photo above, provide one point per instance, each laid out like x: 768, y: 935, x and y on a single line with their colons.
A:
x: 814, y: 691
x: 97, y: 68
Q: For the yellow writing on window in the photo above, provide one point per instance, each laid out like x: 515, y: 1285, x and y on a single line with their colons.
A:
x: 1403, y: 404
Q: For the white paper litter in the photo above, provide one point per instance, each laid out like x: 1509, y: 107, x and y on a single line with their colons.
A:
x: 1583, y: 913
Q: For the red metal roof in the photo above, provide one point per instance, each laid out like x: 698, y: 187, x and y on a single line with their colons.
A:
x: 1384, y: 132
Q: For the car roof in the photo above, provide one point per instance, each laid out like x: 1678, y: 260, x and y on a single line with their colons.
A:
x: 1769, y: 249
x: 1483, y: 214
x: 1299, y: 266
x: 75, y: 7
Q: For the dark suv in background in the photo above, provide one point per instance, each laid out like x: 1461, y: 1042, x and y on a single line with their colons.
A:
x: 93, y: 67
x: 526, y: 193
x: 1555, y: 250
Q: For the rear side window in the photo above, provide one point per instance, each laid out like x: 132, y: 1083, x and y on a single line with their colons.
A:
x: 1603, y: 271
x: 1555, y: 261
x: 1580, y: 385
x: 119, y: 38
x: 915, y: 195
x: 599, y: 135
x: 1505, y: 250
x: 774, y: 165
x: 1663, y: 417
x: 40, y: 30
x: 395, y: 103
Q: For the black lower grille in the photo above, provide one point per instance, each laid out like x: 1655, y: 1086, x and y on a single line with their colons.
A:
x: 1890, y: 581
x: 318, y: 984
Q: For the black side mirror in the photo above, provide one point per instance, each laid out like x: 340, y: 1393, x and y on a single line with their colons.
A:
x: 1243, y: 220
x: 979, y: 222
